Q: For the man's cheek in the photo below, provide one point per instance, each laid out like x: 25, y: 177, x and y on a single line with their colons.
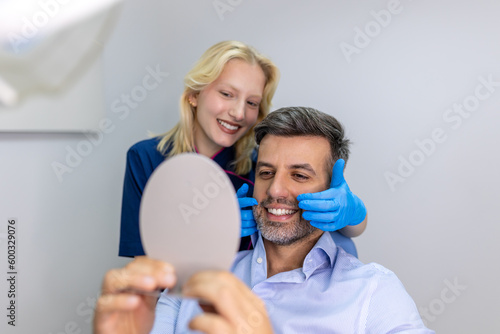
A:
x: 258, y: 211
x: 255, y: 211
x: 257, y: 191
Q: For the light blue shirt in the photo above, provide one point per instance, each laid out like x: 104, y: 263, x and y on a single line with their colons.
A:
x: 333, y: 292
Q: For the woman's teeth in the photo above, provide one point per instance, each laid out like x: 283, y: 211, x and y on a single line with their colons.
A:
x: 228, y: 126
x: 281, y: 212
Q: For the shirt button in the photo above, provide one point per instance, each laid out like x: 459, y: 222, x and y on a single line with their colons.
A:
x: 259, y: 260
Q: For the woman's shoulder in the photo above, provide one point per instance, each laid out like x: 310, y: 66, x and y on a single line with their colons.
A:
x: 145, y: 145
x: 146, y: 151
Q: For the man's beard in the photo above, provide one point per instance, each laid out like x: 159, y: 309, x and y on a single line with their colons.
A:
x: 282, y: 233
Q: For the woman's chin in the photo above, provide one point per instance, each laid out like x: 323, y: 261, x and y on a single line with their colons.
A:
x: 224, y: 141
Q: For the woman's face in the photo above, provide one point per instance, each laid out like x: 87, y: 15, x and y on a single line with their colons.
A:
x: 228, y: 107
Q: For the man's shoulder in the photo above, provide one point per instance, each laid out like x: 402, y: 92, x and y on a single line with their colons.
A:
x: 348, y: 265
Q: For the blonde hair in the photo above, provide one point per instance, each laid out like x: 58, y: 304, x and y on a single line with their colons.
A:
x: 208, y: 68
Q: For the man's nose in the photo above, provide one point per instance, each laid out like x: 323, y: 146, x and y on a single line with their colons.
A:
x: 278, y: 188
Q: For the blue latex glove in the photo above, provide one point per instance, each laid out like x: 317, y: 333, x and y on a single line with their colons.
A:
x: 335, y: 208
x: 248, y: 225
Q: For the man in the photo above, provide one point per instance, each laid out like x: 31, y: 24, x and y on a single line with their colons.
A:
x: 307, y: 283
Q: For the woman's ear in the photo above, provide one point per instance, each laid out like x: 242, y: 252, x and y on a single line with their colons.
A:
x: 193, y: 99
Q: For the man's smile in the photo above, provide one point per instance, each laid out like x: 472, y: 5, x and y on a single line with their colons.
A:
x: 280, y: 213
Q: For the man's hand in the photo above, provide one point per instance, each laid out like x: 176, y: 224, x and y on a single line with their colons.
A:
x: 335, y: 208
x: 248, y: 225
x: 234, y: 308
x: 119, y: 312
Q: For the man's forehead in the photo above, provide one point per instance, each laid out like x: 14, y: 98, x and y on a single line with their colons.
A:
x: 290, y: 141
x: 293, y: 151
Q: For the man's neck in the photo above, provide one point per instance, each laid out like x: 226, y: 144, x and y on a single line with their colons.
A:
x: 285, y: 258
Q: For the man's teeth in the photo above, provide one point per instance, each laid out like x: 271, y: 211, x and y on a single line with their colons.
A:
x: 281, y: 212
x: 228, y: 126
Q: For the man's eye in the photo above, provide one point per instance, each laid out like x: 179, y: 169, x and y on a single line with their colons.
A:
x: 265, y: 174
x: 301, y: 176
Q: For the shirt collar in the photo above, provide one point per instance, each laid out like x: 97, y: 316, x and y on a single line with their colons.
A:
x: 322, y: 255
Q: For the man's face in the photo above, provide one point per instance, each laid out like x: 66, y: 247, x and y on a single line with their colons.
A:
x: 286, y: 168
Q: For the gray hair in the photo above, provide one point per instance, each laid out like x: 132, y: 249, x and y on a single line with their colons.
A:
x: 302, y: 121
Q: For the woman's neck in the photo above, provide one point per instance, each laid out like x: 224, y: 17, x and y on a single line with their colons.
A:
x: 204, y: 145
x: 207, y: 150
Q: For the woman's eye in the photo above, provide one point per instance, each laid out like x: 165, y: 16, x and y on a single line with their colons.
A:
x: 253, y: 104
x: 226, y: 94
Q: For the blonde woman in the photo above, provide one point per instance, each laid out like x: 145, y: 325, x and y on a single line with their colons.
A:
x: 227, y: 92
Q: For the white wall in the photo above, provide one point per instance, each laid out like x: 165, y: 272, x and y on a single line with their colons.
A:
x: 435, y: 229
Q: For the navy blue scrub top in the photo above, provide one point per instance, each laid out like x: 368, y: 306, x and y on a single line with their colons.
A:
x: 142, y: 160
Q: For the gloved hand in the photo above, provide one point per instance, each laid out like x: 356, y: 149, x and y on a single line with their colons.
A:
x: 335, y: 208
x: 248, y: 225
